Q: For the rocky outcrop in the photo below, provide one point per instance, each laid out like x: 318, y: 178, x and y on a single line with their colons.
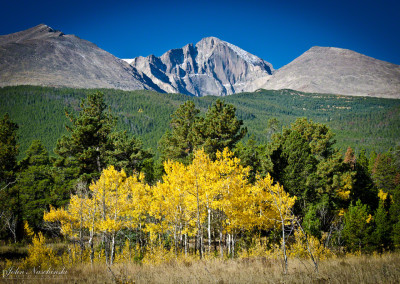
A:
x: 338, y: 71
x: 43, y: 56
x: 211, y: 67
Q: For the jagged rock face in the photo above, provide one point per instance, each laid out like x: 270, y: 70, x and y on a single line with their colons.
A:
x: 43, y: 56
x: 211, y: 67
x: 338, y: 71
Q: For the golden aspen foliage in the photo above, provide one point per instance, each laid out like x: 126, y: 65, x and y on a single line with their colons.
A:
x: 27, y: 230
x: 382, y: 195
x: 303, y: 243
x: 273, y: 203
x: 40, y: 256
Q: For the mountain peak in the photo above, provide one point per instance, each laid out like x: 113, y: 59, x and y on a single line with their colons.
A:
x: 211, y: 67
x: 211, y: 39
x: 44, y: 56
x: 340, y: 71
x: 36, y: 32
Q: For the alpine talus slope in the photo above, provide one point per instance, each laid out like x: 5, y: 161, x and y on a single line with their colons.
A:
x: 46, y: 57
x: 338, y: 71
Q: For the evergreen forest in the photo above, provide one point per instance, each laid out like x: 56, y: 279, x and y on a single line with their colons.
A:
x: 111, y: 176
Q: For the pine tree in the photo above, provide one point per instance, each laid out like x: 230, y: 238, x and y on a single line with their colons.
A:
x: 219, y: 129
x: 382, y: 232
x: 8, y: 151
x: 35, y: 184
x: 306, y: 164
x: 10, y: 203
x: 128, y: 154
x: 251, y: 155
x: 89, y: 141
x: 356, y: 228
x: 177, y: 144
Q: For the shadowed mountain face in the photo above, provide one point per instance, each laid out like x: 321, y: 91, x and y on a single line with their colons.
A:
x: 43, y: 56
x: 338, y: 71
x: 211, y: 67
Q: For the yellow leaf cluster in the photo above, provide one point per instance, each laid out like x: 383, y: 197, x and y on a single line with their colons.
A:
x: 303, y: 245
x: 382, y: 195
x: 40, y: 256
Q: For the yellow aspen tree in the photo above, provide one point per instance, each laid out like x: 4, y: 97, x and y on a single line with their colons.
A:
x: 173, y: 193
x: 233, y: 197
x: 274, y: 206
x: 115, y: 203
x: 113, y: 195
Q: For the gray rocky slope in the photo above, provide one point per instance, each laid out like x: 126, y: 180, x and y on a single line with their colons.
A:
x: 211, y: 67
x: 338, y: 71
x: 43, y: 56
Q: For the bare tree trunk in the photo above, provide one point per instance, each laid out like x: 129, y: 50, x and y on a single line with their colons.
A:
x: 112, y: 254
x: 91, y: 248
x: 11, y: 223
x: 209, y: 230
x: 215, y: 239
x: 308, y: 246
x: 228, y: 244
x: 233, y: 246
x: 186, y: 244
x: 284, y: 248
x: 195, y: 245
x: 175, y: 241
x: 106, y: 247
x: 198, y: 223
x: 202, y: 245
x: 221, y: 248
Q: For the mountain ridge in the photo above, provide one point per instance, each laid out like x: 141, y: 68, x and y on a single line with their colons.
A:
x: 212, y: 67
x: 348, y: 73
x: 44, y: 56
x: 47, y: 57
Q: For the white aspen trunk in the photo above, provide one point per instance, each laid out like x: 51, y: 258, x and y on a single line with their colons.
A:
x: 112, y: 254
x: 202, y: 244
x: 233, y: 246
x: 221, y: 248
x: 175, y: 240
x: 284, y: 247
x: 91, y: 247
x: 209, y: 230
x: 199, y: 237
x: 228, y: 244
x: 185, y: 244
x: 140, y: 235
x: 106, y: 248
x: 91, y: 239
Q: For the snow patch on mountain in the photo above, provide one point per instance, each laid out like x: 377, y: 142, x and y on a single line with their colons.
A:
x: 248, y: 57
x: 129, y: 61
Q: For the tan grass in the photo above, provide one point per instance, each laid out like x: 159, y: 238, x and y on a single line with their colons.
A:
x: 352, y: 269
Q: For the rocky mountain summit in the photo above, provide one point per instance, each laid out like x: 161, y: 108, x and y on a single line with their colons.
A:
x: 338, y: 71
x: 211, y: 67
x: 46, y: 57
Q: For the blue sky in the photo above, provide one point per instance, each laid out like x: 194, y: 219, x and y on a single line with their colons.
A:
x: 277, y: 31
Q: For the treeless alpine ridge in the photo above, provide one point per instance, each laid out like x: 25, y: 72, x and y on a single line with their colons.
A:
x: 46, y: 57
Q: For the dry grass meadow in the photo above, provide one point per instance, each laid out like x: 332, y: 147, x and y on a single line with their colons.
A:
x: 350, y: 269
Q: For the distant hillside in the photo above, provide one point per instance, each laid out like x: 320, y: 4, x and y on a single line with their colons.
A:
x: 42, y: 56
x: 338, y: 71
x: 370, y: 123
x: 46, y: 57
